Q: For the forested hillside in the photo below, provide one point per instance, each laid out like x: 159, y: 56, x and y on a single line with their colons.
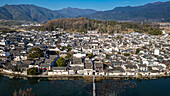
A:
x: 83, y: 24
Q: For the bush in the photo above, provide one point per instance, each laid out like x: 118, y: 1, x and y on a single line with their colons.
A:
x: 69, y: 48
x: 144, y: 47
x: 63, y: 48
x: 118, y: 52
x: 107, y: 56
x: 68, y: 56
x: 126, y: 54
x: 61, y: 62
x: 90, y: 55
x: 137, y: 51
x: 140, y: 75
x: 35, y: 53
x: 32, y: 71
x: 155, y: 32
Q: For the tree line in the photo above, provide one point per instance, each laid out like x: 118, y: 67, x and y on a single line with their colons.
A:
x: 83, y: 24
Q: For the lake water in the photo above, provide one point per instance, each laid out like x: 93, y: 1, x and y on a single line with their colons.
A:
x: 82, y: 87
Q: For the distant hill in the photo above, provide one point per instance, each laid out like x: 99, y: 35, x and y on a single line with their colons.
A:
x: 74, y: 12
x: 28, y: 13
x: 84, y: 24
x: 159, y: 11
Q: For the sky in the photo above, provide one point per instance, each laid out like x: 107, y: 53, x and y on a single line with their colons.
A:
x: 100, y: 5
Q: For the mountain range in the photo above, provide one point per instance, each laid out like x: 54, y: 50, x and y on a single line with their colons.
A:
x: 28, y: 13
x: 39, y: 14
x: 158, y: 11
x: 74, y: 12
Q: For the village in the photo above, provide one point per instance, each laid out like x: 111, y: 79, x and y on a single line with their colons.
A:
x: 85, y: 54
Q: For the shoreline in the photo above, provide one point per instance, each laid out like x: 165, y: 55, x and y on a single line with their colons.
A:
x: 87, y: 77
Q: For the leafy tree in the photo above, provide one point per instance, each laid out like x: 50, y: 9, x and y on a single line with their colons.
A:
x: 90, y: 55
x: 155, y: 32
x: 68, y: 56
x: 118, y: 52
x: 107, y: 56
x: 32, y: 71
x: 61, y: 62
x: 139, y: 75
x: 137, y: 51
x: 165, y: 52
x: 63, y: 48
x: 69, y: 48
x: 126, y: 54
x: 144, y: 47
x: 35, y: 53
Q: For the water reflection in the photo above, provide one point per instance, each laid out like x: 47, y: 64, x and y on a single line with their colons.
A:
x: 114, y: 87
x: 33, y: 80
x: 14, y: 83
x: 82, y: 87
x: 71, y: 87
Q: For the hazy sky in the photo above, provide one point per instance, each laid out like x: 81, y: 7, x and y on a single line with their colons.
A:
x: 84, y: 4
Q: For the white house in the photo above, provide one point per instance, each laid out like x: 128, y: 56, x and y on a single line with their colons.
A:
x: 79, y: 55
x: 156, y: 52
x: 58, y: 71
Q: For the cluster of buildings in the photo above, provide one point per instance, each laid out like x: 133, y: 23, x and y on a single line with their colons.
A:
x: 90, y: 53
x: 31, y: 24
